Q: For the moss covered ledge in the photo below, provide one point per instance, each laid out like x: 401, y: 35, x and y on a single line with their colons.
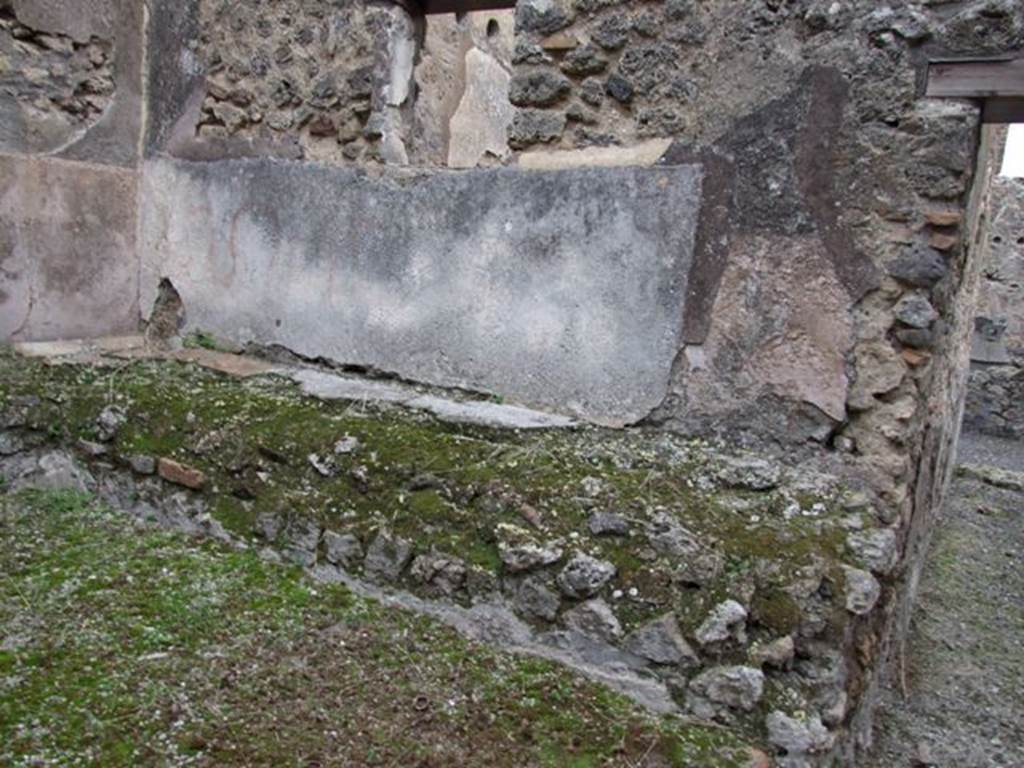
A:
x: 740, y: 584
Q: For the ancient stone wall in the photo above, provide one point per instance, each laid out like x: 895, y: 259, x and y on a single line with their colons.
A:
x: 70, y: 131
x: 995, y: 400
x: 797, y: 268
x: 295, y: 70
x: 1001, y: 298
x: 54, y: 85
x: 353, y: 82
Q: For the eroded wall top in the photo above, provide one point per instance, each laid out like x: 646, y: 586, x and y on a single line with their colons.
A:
x: 71, y: 79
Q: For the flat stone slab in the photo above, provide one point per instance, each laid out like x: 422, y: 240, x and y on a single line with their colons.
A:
x: 329, y: 386
x: 314, y: 382
x: 82, y: 350
x: 562, y: 289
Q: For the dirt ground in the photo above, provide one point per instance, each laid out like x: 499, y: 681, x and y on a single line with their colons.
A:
x: 965, y: 660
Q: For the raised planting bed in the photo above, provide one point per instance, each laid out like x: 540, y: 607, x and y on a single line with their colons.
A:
x: 725, y: 587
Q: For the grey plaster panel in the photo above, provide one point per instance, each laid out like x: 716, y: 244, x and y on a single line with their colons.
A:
x: 68, y: 263
x: 563, y: 288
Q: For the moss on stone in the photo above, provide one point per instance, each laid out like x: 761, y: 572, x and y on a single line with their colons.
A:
x: 444, y: 486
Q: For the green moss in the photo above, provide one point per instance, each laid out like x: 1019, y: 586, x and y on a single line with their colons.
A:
x: 253, y: 439
x: 200, y: 340
x: 139, y: 647
x: 776, y: 611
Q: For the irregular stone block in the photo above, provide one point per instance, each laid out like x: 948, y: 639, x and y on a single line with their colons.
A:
x: 862, y: 591
x: 778, y: 653
x: 733, y: 687
x: 584, y: 576
x: 142, y: 465
x: 442, y: 575
x: 534, y: 599
x: 594, y: 618
x: 343, y: 549
x: 798, y: 738
x: 876, y: 547
x: 387, y: 557
x: 660, y: 641
x: 726, y: 621
x: 608, y: 524
x: 180, y: 474
x: 56, y: 471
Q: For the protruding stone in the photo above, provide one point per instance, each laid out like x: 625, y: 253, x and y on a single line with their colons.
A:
x: 748, y: 473
x: 109, y: 423
x: 387, y: 557
x: 879, y: 370
x: 608, y: 524
x: 619, y: 88
x: 862, y: 591
x: 538, y: 89
x: 560, y: 41
x: 535, y: 126
x: 693, y: 562
x: 836, y: 712
x: 10, y: 444
x: 441, y: 574
x: 584, y: 576
x: 58, y: 472
x: 735, y: 687
x: 180, y: 474
x: 660, y: 641
x: 919, y: 267
x: 543, y: 17
x: 943, y: 218
x: 798, y: 737
x: 586, y: 60
x: 778, y: 653
x: 668, y: 537
x: 92, y: 448
x: 535, y: 600
x: 876, y: 547
x: 141, y: 464
x: 302, y: 534
x: 940, y: 241
x: 916, y: 338
x: 519, y: 552
x: 612, y: 32
x: 727, y: 621
x: 594, y: 618
x: 915, y: 311
x: 343, y: 549
x: 268, y: 525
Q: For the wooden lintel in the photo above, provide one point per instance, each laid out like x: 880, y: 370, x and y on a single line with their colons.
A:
x: 465, y: 6
x: 976, y: 79
x: 413, y: 7
x: 1003, y: 111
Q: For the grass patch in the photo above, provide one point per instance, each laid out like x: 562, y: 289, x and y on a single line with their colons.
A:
x: 126, y: 646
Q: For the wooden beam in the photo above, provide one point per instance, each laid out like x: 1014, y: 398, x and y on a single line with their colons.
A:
x: 1003, y: 111
x: 465, y: 6
x: 976, y: 79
